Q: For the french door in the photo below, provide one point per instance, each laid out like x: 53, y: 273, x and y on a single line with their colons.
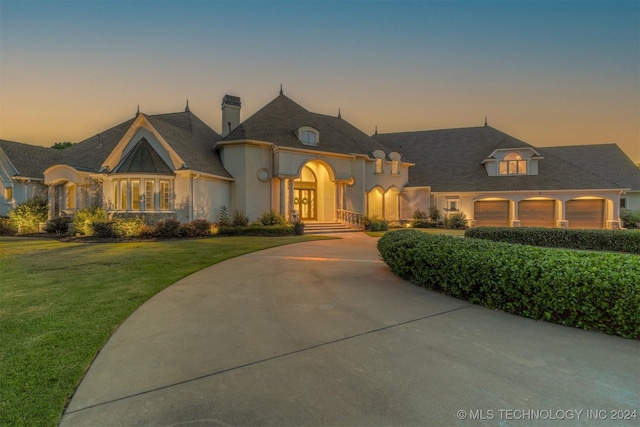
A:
x: 305, y: 203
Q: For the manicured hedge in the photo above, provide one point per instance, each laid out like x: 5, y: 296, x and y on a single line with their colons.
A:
x: 598, y: 240
x: 590, y: 290
x: 258, y: 230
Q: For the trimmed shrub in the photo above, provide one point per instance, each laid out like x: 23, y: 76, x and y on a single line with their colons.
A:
x: 26, y: 216
x: 590, y: 290
x: 258, y: 230
x: 85, y: 217
x: 424, y: 223
x: 598, y: 240
x: 272, y: 218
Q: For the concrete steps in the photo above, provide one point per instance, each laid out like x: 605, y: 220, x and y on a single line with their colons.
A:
x: 329, y: 227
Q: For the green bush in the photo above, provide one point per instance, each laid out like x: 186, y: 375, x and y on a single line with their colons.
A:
x: 598, y: 240
x: 223, y: 217
x: 434, y: 214
x: 146, y: 231
x: 85, y: 217
x: 168, y: 228
x: 103, y: 229
x: 58, y: 225
x: 5, y: 226
x: 630, y: 219
x: 239, y: 219
x: 420, y: 215
x: 26, y: 216
x: 424, y: 223
x: 590, y: 290
x: 379, y: 225
x: 272, y: 218
x: 127, y: 227
x: 258, y: 230
x: 202, y: 227
x: 456, y: 221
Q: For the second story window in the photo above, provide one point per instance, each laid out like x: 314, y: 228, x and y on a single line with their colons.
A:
x: 513, y: 164
x: 309, y: 137
x: 378, y: 165
x: 394, y: 167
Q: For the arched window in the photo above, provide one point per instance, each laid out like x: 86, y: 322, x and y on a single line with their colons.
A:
x: 513, y: 164
x: 308, y: 135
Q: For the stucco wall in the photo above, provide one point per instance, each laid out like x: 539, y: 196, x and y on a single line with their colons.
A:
x: 248, y: 193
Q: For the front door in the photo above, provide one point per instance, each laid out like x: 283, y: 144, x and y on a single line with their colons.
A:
x: 305, y: 203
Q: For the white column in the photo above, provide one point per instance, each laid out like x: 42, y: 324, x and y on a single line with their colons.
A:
x: 51, y: 195
x: 290, y: 199
x: 283, y: 197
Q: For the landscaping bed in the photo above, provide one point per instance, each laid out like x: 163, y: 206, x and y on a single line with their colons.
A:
x: 591, y: 290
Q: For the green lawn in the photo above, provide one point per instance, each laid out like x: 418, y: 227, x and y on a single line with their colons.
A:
x: 424, y: 230
x: 60, y: 302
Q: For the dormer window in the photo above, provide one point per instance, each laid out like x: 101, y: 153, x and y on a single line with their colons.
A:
x: 308, y: 135
x: 378, y: 165
x: 513, y: 164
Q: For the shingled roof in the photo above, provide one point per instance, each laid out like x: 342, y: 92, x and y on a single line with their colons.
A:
x: 29, y: 160
x: 189, y: 136
x: 605, y: 160
x: 278, y: 121
x: 450, y: 160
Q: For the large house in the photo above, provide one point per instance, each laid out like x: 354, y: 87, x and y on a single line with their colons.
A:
x: 319, y: 168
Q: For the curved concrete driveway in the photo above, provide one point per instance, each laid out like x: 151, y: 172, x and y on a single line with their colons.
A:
x: 322, y: 333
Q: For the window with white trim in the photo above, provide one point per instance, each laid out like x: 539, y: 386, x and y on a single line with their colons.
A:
x: 164, y: 195
x: 379, y: 166
x: 135, y: 195
x: 513, y: 164
x: 70, y: 196
x: 395, y: 167
x: 8, y: 194
x: 123, y: 194
x: 148, y: 195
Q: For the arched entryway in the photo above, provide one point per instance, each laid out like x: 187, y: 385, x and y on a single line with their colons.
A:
x: 314, y: 193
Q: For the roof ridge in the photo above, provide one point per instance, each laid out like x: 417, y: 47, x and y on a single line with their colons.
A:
x: 436, y: 130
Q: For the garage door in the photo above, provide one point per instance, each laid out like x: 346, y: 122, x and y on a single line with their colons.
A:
x: 492, y: 214
x: 537, y: 213
x: 585, y: 213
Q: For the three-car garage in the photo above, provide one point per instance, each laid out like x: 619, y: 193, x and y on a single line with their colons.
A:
x: 581, y: 213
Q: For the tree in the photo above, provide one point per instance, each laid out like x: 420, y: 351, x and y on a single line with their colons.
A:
x: 62, y: 145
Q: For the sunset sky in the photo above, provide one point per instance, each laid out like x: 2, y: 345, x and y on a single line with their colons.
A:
x: 546, y: 72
